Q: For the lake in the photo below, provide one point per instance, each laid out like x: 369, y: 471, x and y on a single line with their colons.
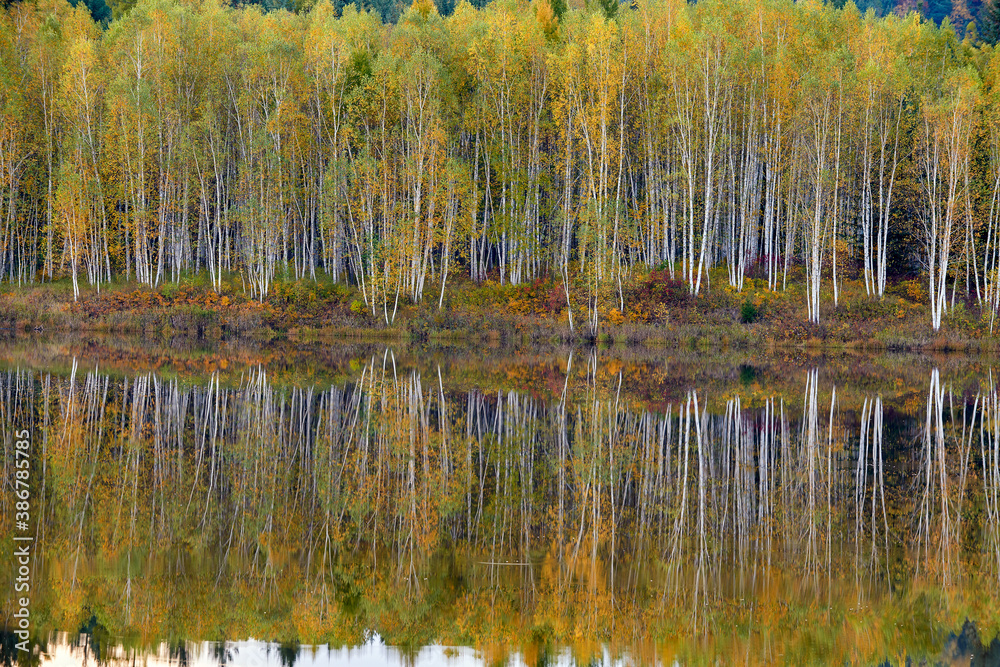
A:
x: 359, y: 504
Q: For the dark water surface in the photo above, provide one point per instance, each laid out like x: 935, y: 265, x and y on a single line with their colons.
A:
x: 347, y: 504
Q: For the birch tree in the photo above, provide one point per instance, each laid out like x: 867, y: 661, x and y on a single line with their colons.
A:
x: 946, y: 123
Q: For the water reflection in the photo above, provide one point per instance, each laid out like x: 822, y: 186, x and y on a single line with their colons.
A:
x: 822, y: 526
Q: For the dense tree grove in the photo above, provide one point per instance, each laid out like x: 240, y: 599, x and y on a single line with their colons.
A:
x: 512, y: 142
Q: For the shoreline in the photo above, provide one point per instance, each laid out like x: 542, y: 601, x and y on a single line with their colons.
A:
x: 530, y: 314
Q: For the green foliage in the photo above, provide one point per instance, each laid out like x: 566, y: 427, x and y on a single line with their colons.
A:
x: 749, y: 312
x: 119, y: 8
x: 608, y: 7
x: 99, y: 10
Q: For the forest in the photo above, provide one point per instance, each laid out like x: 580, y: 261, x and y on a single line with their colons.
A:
x: 787, y: 141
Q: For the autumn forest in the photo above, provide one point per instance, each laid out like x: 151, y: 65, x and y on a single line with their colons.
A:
x: 795, y: 142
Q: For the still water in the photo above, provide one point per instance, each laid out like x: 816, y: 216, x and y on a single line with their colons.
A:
x: 361, y: 505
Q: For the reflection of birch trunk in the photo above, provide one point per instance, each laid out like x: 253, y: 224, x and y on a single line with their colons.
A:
x: 861, y: 488
x: 989, y: 447
x: 810, y: 426
x: 934, y: 455
x: 676, y: 549
x: 880, y: 480
x: 381, y: 466
x: 965, y: 451
x: 867, y: 524
x: 562, y: 450
x: 765, y: 464
x: 700, y: 581
x: 90, y: 405
x: 829, y: 485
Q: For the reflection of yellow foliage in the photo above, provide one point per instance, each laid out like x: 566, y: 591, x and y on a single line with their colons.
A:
x: 313, y: 617
x: 396, y: 516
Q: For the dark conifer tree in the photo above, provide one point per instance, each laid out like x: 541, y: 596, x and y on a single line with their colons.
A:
x: 989, y: 22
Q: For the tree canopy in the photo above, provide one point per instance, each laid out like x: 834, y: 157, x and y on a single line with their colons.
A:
x: 512, y: 141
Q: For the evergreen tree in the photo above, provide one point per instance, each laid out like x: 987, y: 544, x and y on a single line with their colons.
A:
x: 989, y: 21
x: 609, y: 7
x: 937, y: 10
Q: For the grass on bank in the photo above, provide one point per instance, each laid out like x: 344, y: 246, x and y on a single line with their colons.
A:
x: 657, y: 310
